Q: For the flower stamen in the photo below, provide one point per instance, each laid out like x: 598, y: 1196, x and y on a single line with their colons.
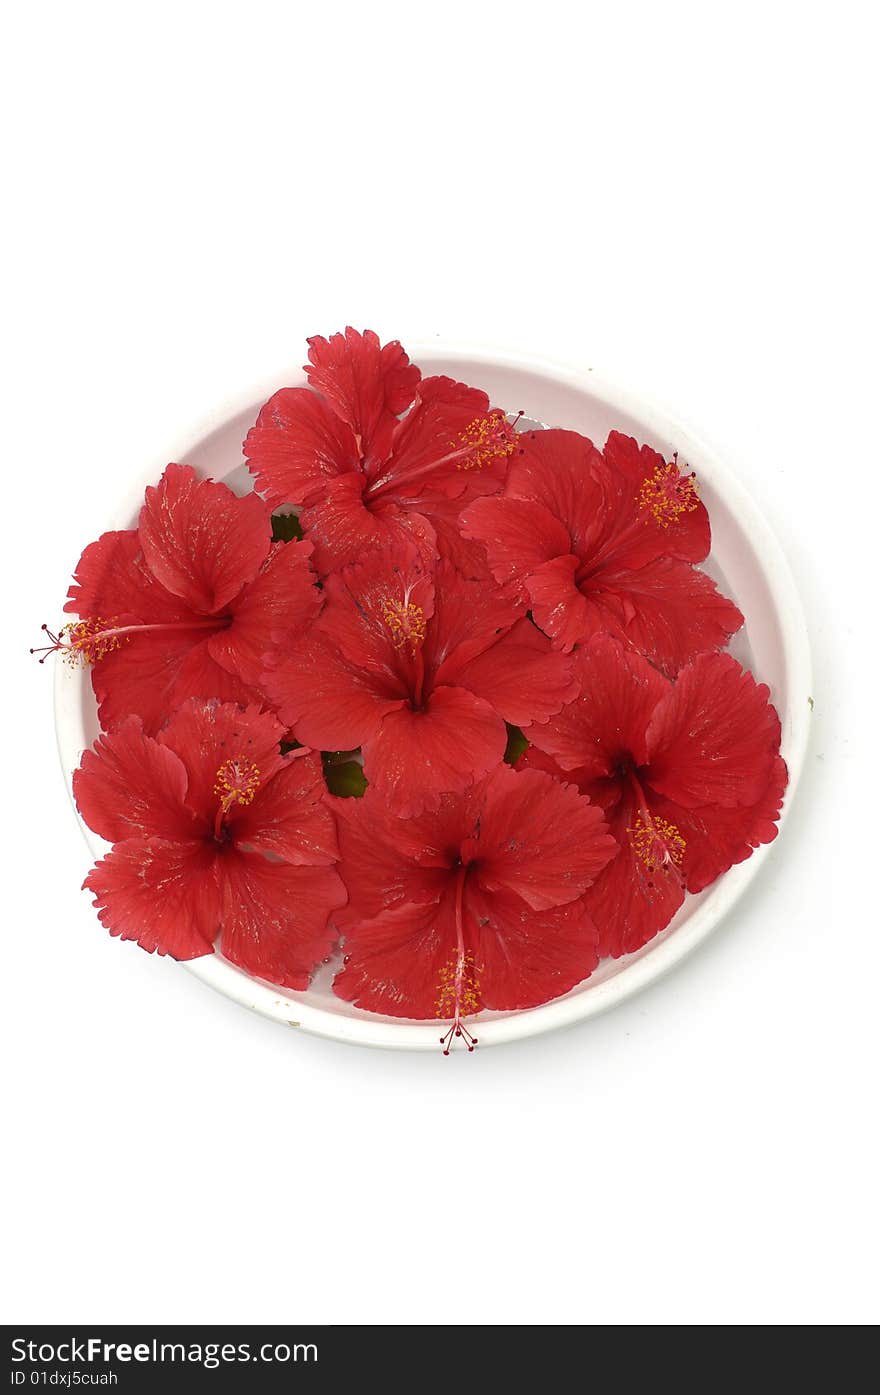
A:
x: 458, y: 990
x: 485, y: 439
x: 406, y: 621
x: 88, y: 641
x: 657, y: 843
x: 667, y: 493
x: 237, y: 781
x: 81, y: 642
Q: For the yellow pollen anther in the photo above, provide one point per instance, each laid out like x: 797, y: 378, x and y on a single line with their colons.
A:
x: 657, y: 843
x: 667, y: 494
x: 237, y: 782
x: 459, y: 987
x: 486, y: 439
x: 406, y: 622
x: 87, y: 641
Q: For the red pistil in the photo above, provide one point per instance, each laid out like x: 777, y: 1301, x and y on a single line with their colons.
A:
x: 237, y: 782
x: 483, y: 440
x: 663, y: 497
x: 459, y: 985
x: 88, y: 641
x: 667, y: 493
x: 407, y: 625
x: 656, y: 842
x: 419, y: 684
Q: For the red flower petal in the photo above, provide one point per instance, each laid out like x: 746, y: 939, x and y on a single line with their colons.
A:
x: 716, y: 838
x: 367, y: 384
x: 113, y: 581
x: 128, y: 786
x: 468, y: 615
x: 563, y: 471
x: 152, y: 674
x: 518, y: 534
x: 431, y: 431
x: 200, y: 541
x: 385, y: 861
x: 714, y: 738
x: 162, y: 894
x: 205, y: 735
x: 154, y: 671
x: 297, y: 446
x: 200, y: 676
x: 629, y: 903
x: 467, y: 556
x: 687, y: 535
x: 418, y: 755
x: 601, y: 499
x: 709, y: 737
x: 327, y: 702
x: 495, y: 874
x: 276, y: 918
x: 605, y: 793
x: 342, y: 528
x: 596, y: 556
x: 359, y: 666
x: 519, y: 675
x: 394, y: 961
x: 269, y: 613
x: 289, y: 817
x: 539, y: 839
x: 528, y: 957
x: 359, y: 614
x: 558, y: 606
x: 582, y: 777
x: 668, y: 610
x: 606, y: 724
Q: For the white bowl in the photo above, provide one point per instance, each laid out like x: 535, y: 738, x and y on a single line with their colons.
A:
x: 746, y: 559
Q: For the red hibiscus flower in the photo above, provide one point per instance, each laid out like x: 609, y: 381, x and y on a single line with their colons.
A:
x: 186, y: 604
x: 605, y: 544
x: 366, y: 477
x: 213, y: 830
x: 688, y: 773
x: 421, y: 667
x: 476, y: 905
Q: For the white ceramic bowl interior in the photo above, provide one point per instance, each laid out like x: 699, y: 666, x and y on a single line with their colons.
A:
x: 746, y: 560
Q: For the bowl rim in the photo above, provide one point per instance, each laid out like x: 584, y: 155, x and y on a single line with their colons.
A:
x: 660, y: 955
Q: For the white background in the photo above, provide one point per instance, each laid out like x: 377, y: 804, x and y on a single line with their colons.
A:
x: 680, y: 195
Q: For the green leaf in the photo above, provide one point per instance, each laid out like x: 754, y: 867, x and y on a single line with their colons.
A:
x: 343, y: 774
x: 285, y: 527
x: 516, y: 744
x: 345, y: 778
